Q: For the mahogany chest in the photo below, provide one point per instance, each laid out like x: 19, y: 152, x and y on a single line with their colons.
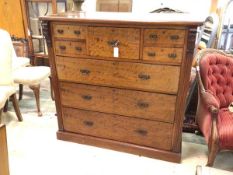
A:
x: 121, y: 80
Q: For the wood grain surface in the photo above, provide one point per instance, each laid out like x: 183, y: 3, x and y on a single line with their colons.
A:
x: 156, y: 78
x: 138, y: 131
x: 138, y: 104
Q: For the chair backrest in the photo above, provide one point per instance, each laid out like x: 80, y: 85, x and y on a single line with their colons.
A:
x: 6, y: 52
x: 216, y: 71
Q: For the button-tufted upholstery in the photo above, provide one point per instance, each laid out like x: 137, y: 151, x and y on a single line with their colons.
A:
x: 215, y: 76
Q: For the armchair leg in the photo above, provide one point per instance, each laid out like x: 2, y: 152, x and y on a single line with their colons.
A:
x: 213, y: 144
x: 16, y: 107
x: 20, y: 91
x: 36, y: 91
x: 51, y: 88
x: 213, y: 150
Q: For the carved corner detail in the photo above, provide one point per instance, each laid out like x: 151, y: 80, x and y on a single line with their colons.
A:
x: 191, y: 40
x: 46, y: 32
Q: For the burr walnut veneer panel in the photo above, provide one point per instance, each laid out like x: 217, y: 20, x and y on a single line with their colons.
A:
x: 121, y: 81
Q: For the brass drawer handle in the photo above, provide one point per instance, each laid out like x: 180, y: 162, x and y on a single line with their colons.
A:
x: 87, y: 97
x: 85, y: 71
x: 174, y: 37
x: 113, y: 43
x: 143, y: 105
x: 144, y: 76
x: 153, y: 36
x: 151, y: 54
x: 172, y: 55
x: 88, y: 123
x: 60, y: 31
x: 141, y: 132
x: 78, y: 49
x: 62, y: 47
x: 77, y: 32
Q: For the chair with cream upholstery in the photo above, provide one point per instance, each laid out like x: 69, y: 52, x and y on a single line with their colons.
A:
x: 7, y: 88
x: 32, y: 76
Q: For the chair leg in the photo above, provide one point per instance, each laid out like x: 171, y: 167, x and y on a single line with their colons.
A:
x: 16, y: 107
x: 5, y: 109
x: 20, y: 91
x: 36, y: 91
x: 213, y: 144
x: 51, y: 88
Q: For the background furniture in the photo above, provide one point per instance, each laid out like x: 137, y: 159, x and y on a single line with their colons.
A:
x: 206, y: 39
x: 32, y: 76
x: 7, y: 88
x: 34, y: 9
x: 114, y: 5
x: 215, y: 71
x: 4, y: 163
x: 120, y: 84
x: 12, y: 19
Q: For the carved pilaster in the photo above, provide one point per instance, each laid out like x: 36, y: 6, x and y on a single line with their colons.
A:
x: 46, y: 33
x: 191, y: 40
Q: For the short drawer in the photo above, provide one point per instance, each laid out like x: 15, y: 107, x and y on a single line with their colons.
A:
x: 102, y: 41
x: 70, y: 48
x: 152, y: 106
x: 70, y: 31
x: 164, y: 36
x: 156, y: 78
x: 115, y: 127
x: 163, y: 55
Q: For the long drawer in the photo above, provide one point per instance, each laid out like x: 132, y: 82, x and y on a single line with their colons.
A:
x: 137, y: 131
x: 156, y: 78
x: 138, y: 104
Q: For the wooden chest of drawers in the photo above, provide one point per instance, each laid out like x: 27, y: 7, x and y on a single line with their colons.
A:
x: 121, y: 83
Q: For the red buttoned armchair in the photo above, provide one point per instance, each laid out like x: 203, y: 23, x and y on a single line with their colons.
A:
x: 215, y: 81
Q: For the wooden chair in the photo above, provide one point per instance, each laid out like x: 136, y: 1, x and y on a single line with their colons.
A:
x: 7, y: 88
x: 215, y: 95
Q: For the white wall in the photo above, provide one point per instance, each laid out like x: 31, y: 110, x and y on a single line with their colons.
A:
x: 199, y: 7
x: 191, y: 6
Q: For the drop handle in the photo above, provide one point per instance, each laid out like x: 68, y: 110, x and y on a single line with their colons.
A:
x: 60, y: 31
x: 78, y: 49
x: 88, y: 123
x: 172, y: 55
x: 86, y: 97
x: 153, y: 36
x: 174, y: 37
x: 151, y: 54
x: 143, y: 105
x: 85, y: 71
x: 143, y: 76
x: 141, y: 132
x: 62, y: 47
x: 114, y: 43
x: 77, y: 32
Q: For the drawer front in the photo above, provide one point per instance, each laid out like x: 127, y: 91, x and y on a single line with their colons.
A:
x: 156, y: 78
x: 138, y: 104
x: 164, y: 36
x: 70, y: 31
x: 136, y: 131
x: 102, y: 41
x: 69, y: 48
x: 163, y: 55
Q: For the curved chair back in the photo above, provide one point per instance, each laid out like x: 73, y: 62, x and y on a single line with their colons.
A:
x: 216, y: 71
